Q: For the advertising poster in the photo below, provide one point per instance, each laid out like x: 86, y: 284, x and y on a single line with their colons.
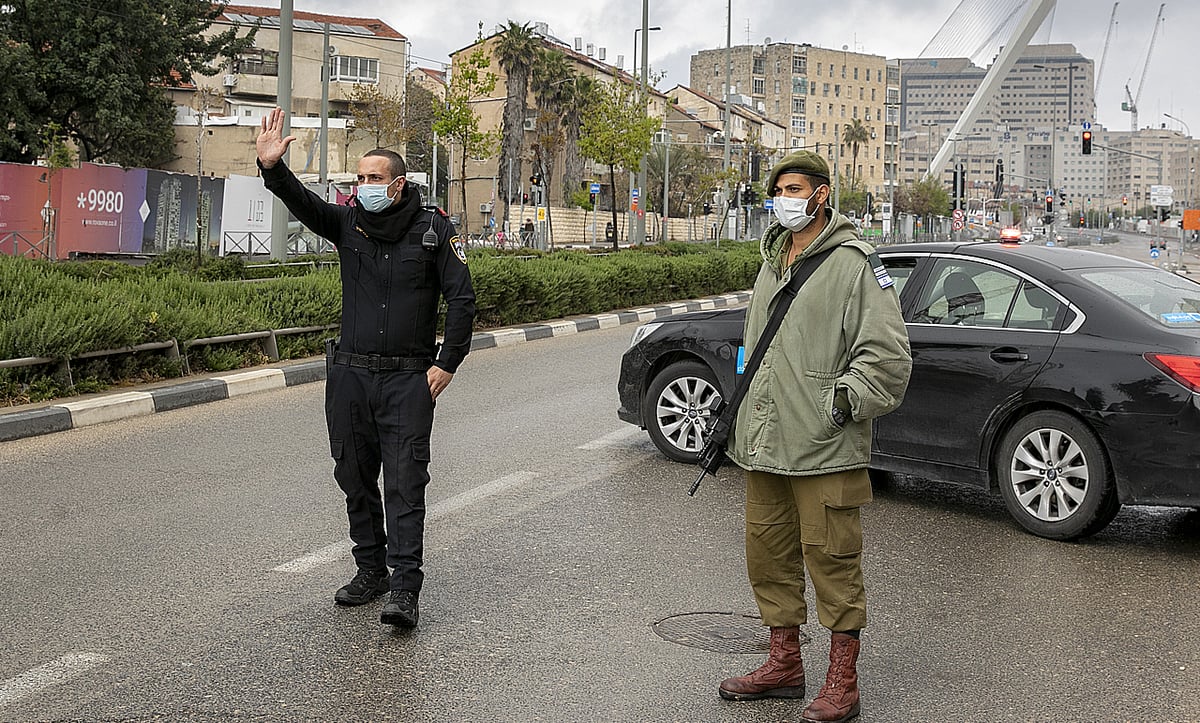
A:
x: 99, y: 209
x: 24, y: 193
x: 246, y: 217
x: 171, y: 204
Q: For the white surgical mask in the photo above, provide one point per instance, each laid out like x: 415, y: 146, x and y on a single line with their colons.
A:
x: 793, y: 212
x: 374, y: 196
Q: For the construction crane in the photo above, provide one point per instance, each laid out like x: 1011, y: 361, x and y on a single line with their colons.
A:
x: 1131, y: 100
x: 1112, y: 23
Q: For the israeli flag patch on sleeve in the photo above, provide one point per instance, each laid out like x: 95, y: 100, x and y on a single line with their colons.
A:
x: 881, y: 275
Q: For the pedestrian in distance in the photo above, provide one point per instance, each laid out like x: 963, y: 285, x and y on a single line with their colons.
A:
x: 527, y: 232
x: 386, y: 370
x: 803, y: 433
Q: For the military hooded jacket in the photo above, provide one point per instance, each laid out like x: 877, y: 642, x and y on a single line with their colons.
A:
x: 843, y: 332
x: 390, y: 280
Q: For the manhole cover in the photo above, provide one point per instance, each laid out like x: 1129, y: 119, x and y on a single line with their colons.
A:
x: 718, y: 632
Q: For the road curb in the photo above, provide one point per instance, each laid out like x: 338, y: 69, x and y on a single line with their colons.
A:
x: 109, y: 407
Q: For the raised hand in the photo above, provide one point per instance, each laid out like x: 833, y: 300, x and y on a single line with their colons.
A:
x: 271, y: 143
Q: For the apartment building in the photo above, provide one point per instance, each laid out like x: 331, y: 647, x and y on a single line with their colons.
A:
x: 361, y: 52
x: 814, y: 93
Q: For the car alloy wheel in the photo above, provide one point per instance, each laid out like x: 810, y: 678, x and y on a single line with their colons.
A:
x: 1055, y: 478
x: 677, y: 407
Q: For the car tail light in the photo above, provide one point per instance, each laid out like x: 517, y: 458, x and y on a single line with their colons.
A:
x: 1183, y: 369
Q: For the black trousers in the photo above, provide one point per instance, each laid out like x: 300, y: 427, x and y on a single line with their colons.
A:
x: 382, y: 419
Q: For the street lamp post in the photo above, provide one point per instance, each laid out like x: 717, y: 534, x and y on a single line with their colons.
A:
x: 640, y: 217
x: 1187, y: 195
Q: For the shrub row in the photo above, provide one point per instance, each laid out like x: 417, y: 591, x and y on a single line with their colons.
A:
x: 63, y: 309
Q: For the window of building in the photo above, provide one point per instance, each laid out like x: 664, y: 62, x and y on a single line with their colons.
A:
x: 856, y: 73
x: 872, y: 95
x: 800, y: 65
x: 837, y: 90
x: 800, y: 86
x: 860, y: 93
x: 825, y: 89
x: 777, y: 87
x: 759, y: 66
x: 843, y: 111
x: 716, y: 69
x: 798, y: 105
x: 759, y: 86
x: 797, y: 124
x: 824, y: 129
x: 257, y: 61
x: 354, y: 69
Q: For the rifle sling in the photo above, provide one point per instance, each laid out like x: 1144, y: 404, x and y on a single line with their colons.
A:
x: 806, y: 269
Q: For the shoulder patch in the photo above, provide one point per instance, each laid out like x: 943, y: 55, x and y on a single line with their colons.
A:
x: 456, y: 244
x: 881, y: 275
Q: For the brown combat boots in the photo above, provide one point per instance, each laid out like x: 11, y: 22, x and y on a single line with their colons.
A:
x: 838, y: 699
x: 782, y: 676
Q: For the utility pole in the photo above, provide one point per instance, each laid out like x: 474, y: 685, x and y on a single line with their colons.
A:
x: 283, y: 94
x: 324, y: 164
x: 642, y: 195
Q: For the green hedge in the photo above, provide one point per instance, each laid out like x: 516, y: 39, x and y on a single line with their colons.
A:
x: 62, y: 309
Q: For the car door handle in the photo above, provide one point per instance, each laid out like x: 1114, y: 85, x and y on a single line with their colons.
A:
x: 1009, y: 354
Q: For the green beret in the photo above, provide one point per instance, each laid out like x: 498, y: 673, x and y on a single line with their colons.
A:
x: 805, y: 162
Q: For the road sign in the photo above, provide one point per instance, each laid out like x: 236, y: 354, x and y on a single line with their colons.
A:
x: 1153, y: 253
x: 1162, y: 195
x: 768, y: 203
x: 1087, y: 126
x: 635, y: 194
x: 595, y: 188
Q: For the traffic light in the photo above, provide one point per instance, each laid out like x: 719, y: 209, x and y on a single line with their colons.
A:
x: 1124, y: 200
x: 1086, y: 138
x: 1081, y: 222
x: 999, y: 175
x: 1049, y: 203
x: 707, y: 208
x: 747, y: 196
x: 535, y: 179
x: 524, y: 199
x: 1164, y: 213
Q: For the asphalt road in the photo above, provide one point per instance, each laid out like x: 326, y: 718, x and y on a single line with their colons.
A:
x: 181, y: 566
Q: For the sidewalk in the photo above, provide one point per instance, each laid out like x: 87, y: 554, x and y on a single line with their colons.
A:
x: 71, y: 412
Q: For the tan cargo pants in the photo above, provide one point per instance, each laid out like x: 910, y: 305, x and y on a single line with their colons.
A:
x: 794, y: 523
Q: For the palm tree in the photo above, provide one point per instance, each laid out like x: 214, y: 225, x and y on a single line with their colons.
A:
x: 551, y: 80
x: 855, y: 134
x: 516, y: 51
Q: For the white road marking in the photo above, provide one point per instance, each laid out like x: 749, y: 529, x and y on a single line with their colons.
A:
x: 52, y: 673
x: 339, y: 550
x: 324, y: 556
x: 483, y: 491
x: 609, y: 440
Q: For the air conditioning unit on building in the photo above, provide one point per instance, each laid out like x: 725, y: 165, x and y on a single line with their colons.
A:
x: 485, y: 208
x: 530, y: 124
x: 230, y: 81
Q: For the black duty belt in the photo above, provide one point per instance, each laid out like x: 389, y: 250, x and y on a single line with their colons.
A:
x: 376, y: 363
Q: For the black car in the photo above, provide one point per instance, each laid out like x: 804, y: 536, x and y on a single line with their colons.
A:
x: 1067, y: 379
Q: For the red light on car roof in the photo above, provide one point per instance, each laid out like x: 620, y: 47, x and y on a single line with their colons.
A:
x: 1183, y: 369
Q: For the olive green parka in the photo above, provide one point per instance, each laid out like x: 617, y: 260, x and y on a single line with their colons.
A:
x: 843, y: 332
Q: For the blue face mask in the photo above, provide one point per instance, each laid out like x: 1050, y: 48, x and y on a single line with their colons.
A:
x: 374, y: 196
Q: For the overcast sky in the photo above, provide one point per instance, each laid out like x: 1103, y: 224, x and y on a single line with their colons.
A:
x: 891, y: 28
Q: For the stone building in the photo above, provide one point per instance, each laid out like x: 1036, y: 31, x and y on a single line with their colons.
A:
x: 814, y: 93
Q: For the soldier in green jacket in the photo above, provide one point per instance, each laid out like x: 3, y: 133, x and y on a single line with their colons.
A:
x: 803, y: 434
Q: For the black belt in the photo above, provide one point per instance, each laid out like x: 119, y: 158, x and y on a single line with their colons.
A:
x: 376, y: 363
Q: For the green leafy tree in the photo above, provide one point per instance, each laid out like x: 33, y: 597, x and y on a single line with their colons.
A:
x: 616, y: 132
x: 455, y: 120
x: 98, y: 70
x: 691, y: 171
x: 378, y: 115
x: 516, y: 50
x: 926, y: 197
x: 855, y: 135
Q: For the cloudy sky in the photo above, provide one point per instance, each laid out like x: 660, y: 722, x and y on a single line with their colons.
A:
x: 892, y: 28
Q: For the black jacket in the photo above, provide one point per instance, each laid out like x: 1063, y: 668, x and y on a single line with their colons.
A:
x: 390, y: 282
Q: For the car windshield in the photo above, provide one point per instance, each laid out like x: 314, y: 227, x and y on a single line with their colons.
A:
x: 1169, y: 299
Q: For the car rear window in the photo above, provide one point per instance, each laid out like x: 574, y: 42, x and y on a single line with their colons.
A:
x: 1170, y: 299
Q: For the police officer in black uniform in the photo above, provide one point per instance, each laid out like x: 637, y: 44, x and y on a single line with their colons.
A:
x: 397, y: 257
